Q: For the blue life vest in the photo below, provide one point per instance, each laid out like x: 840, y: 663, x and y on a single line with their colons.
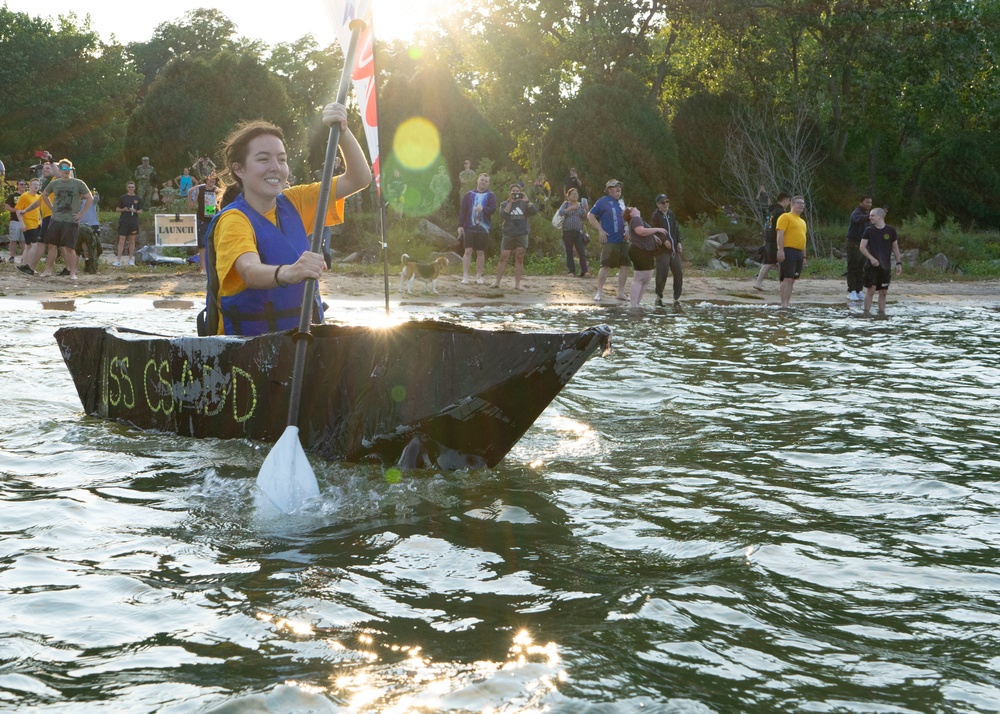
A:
x: 254, y: 312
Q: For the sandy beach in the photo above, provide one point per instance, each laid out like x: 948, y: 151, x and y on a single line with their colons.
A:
x: 184, y: 282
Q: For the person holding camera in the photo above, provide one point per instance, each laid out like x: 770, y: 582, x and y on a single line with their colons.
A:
x: 517, y: 211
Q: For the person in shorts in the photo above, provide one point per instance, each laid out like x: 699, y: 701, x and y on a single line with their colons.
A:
x: 791, y: 239
x: 517, y: 211
x: 879, y: 246
x: 128, y: 209
x: 777, y: 209
x: 606, y: 217
x: 16, y: 228
x: 642, y: 251
x: 69, y: 199
x: 474, y: 221
x: 30, y: 222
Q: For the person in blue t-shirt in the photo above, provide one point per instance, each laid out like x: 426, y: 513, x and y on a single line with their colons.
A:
x: 606, y: 217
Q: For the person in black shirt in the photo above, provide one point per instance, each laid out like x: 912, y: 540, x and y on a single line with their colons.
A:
x: 856, y: 261
x: 667, y: 254
x: 129, y: 207
x: 780, y: 206
x: 879, y: 245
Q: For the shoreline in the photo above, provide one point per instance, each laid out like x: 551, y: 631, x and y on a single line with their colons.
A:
x: 168, y: 282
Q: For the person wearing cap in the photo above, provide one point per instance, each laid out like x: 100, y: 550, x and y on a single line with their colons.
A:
x: 791, y: 247
x: 779, y: 207
x: 145, y: 181
x: 69, y: 199
x: 606, y: 217
x: 668, y: 254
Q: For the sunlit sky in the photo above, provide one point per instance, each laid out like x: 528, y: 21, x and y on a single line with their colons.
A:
x: 271, y: 22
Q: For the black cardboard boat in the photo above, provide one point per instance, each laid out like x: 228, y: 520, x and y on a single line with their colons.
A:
x: 421, y: 394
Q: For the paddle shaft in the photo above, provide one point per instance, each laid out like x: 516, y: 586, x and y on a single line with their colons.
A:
x: 305, y: 316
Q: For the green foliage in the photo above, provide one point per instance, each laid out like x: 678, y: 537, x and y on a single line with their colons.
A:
x: 432, y: 93
x: 203, y: 31
x: 698, y: 124
x: 195, y: 102
x: 613, y: 131
x: 64, y: 91
x: 963, y: 180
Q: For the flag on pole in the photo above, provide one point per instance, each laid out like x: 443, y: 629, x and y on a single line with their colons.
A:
x: 343, y: 12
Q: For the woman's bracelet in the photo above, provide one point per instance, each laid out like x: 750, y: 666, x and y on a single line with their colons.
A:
x: 277, y: 281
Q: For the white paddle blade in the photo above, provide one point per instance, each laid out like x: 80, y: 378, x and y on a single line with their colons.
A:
x: 286, y: 477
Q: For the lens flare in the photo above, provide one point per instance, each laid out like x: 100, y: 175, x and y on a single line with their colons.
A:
x: 416, y: 143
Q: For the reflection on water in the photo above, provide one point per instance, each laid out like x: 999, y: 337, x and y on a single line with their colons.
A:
x: 738, y: 510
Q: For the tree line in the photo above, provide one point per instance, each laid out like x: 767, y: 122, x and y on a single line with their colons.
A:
x: 702, y: 99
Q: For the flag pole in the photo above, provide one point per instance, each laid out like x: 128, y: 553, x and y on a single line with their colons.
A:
x: 382, y: 213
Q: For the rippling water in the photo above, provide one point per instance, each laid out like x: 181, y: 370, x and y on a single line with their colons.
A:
x: 739, y: 510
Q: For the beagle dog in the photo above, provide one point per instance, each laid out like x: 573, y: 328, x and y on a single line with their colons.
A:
x: 428, y: 272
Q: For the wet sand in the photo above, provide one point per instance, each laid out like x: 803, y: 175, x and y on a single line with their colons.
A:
x: 169, y: 282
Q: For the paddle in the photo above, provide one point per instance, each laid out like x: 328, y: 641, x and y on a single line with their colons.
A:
x: 286, y: 478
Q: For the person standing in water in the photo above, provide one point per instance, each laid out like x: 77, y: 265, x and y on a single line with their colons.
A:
x: 879, y: 246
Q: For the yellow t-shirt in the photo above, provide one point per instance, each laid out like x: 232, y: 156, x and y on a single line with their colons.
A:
x: 32, y: 219
x: 233, y: 235
x: 795, y: 230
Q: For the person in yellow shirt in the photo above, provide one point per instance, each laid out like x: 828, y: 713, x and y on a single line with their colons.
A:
x: 258, y: 245
x: 791, y: 247
x: 30, y: 220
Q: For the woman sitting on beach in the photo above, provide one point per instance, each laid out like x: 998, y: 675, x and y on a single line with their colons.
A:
x: 258, y: 246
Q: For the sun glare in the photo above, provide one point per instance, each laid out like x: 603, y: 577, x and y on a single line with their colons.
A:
x: 404, y: 19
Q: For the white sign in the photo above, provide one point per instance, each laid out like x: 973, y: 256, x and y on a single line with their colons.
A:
x: 173, y: 229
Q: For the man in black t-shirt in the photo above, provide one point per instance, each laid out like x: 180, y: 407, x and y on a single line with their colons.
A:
x: 879, y: 246
x: 128, y: 208
x: 780, y: 206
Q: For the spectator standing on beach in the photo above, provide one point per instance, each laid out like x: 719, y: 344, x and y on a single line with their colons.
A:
x: 606, y: 217
x: 517, y: 211
x: 88, y: 243
x: 30, y: 221
x: 791, y: 247
x: 69, y: 199
x: 474, y: 220
x: 574, y: 212
x: 542, y: 191
x: 440, y: 186
x: 203, y: 168
x: 879, y: 245
x: 128, y: 209
x: 16, y: 228
x: 573, y: 181
x: 859, y: 221
x: 642, y: 248
x: 779, y: 207
x: 185, y: 182
x: 668, y: 253
x: 466, y: 178
x: 204, y: 198
x: 145, y: 181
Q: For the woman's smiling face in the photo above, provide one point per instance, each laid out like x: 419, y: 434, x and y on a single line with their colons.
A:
x: 265, y: 172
